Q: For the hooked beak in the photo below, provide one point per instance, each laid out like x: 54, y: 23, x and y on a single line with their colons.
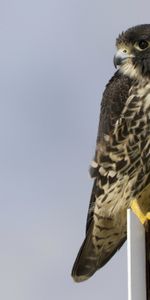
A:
x: 120, y: 57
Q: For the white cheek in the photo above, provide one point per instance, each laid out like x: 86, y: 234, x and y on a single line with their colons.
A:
x: 129, y: 70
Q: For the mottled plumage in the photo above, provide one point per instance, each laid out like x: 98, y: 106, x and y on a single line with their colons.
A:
x: 121, y: 166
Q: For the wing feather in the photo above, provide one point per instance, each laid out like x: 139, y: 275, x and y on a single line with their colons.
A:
x: 113, y: 101
x: 105, y: 238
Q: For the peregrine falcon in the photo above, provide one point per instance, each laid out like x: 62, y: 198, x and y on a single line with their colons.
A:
x: 121, y: 165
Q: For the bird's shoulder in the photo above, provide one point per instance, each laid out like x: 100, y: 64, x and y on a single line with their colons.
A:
x: 112, y: 104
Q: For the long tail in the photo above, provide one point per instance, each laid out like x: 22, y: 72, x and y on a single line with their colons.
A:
x: 89, y: 259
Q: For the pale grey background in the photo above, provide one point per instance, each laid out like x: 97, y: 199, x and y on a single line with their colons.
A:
x: 55, y: 59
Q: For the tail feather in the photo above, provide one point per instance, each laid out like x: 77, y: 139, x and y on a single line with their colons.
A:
x: 86, y: 262
x: 89, y: 259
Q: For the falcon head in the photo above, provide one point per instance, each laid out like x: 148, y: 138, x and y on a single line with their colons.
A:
x: 133, y: 52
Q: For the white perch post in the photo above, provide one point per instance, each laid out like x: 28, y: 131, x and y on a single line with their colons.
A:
x: 136, y: 258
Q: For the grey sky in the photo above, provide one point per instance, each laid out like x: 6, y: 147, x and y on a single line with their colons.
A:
x: 55, y: 59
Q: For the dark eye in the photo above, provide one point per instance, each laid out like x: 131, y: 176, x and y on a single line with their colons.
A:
x: 143, y: 44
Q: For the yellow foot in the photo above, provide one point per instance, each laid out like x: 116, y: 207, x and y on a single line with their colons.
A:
x: 144, y: 218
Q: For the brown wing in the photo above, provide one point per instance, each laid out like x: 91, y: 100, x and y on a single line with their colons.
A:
x: 110, y: 238
x: 113, y: 101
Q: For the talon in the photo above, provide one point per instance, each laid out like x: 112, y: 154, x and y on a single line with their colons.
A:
x: 143, y: 218
x: 148, y: 216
